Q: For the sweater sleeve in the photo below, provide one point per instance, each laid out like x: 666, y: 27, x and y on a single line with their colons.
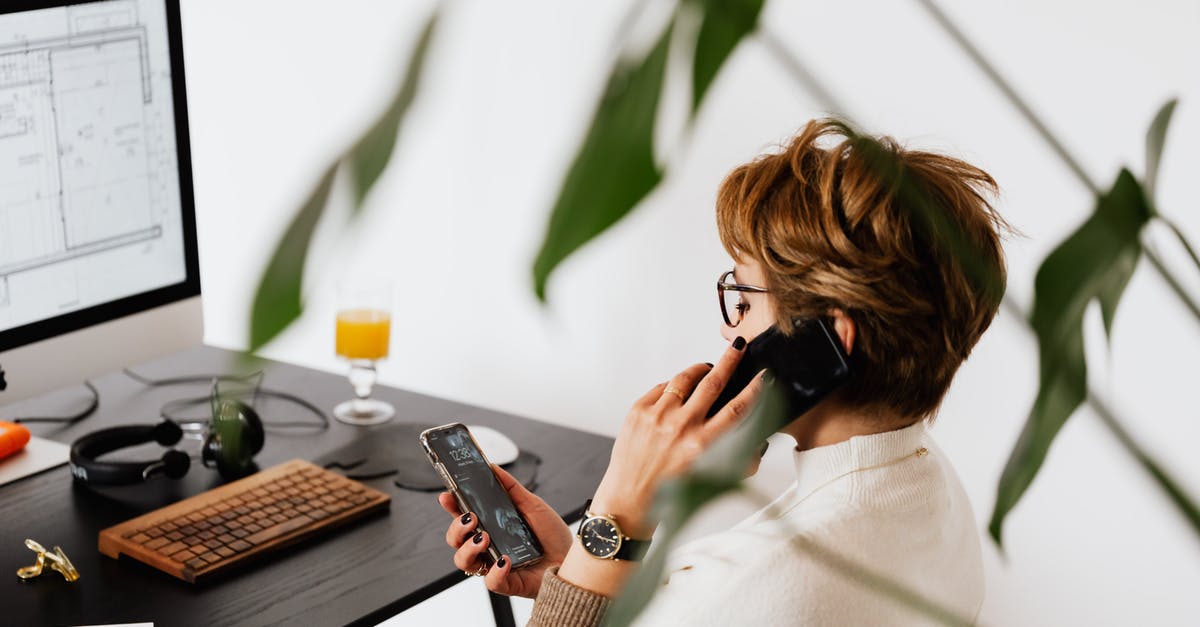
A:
x: 564, y: 604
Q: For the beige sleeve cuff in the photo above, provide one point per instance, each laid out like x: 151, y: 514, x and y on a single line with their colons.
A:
x: 562, y: 604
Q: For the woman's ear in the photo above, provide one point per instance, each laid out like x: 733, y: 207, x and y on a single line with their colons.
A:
x: 844, y: 326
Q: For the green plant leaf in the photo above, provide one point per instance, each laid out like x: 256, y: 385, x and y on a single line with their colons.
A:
x: 723, y: 26
x: 1093, y: 263
x: 1156, y: 136
x: 278, y: 300
x: 371, y: 154
x: 614, y: 169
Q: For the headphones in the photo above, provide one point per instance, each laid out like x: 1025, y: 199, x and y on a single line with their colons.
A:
x: 232, y: 437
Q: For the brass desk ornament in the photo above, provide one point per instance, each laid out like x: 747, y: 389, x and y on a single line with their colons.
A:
x: 57, y: 561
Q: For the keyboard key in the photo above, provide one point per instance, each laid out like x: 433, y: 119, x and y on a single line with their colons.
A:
x: 158, y: 542
x: 173, y: 548
x: 271, y: 533
x: 183, y: 556
x: 239, y: 545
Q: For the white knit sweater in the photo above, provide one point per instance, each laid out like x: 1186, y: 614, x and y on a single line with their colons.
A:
x: 872, y: 499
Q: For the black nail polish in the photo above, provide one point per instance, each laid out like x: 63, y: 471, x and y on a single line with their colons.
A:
x: 739, y: 343
x: 478, y: 537
x: 708, y: 364
x: 466, y: 519
x: 500, y: 562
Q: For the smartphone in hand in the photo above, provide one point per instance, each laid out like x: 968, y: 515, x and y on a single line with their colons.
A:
x: 469, y: 477
x: 807, y: 365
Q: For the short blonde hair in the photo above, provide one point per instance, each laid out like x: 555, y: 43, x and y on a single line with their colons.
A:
x: 905, y: 242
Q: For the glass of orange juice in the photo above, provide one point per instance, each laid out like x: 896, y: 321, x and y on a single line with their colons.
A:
x: 364, y: 328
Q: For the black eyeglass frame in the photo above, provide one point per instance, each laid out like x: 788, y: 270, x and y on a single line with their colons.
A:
x: 722, y: 287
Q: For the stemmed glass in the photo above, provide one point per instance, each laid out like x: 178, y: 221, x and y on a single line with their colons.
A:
x: 364, y: 325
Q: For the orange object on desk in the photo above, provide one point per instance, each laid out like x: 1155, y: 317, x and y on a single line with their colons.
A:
x: 13, y: 437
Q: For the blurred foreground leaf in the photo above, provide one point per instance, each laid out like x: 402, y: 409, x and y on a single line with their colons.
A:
x: 368, y: 158
x: 724, y: 25
x: 1156, y: 137
x: 278, y: 300
x: 615, y: 167
x: 1095, y: 262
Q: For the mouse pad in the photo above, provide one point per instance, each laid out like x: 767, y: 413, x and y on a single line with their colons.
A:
x: 396, y: 450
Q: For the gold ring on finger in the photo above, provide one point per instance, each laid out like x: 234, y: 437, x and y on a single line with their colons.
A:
x: 674, y: 390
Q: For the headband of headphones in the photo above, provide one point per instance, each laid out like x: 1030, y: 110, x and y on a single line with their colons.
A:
x: 87, y: 469
x: 235, y: 434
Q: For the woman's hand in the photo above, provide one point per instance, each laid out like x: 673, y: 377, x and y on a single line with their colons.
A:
x: 471, y: 544
x: 664, y: 433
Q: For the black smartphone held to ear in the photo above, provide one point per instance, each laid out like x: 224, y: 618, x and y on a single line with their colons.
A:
x: 807, y: 365
x: 469, y: 477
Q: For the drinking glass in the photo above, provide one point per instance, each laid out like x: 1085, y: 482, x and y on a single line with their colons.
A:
x: 364, y: 325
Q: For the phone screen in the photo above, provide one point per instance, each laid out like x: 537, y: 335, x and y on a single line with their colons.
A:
x: 483, y: 494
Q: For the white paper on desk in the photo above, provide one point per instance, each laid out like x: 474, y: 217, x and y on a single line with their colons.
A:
x: 122, y: 625
x: 38, y: 455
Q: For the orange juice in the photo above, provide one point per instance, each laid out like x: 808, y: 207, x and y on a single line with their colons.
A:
x: 363, y: 333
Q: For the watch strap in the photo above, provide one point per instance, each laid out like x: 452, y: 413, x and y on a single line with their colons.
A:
x: 631, y: 550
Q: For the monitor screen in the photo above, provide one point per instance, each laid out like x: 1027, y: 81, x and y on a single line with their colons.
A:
x: 96, y: 211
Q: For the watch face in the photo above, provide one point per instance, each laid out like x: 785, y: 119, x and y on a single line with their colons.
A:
x: 600, y: 537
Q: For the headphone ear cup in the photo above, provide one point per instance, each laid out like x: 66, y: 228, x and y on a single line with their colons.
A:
x: 175, y: 463
x: 167, y: 433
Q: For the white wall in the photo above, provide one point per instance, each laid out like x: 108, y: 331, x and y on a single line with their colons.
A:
x: 277, y: 86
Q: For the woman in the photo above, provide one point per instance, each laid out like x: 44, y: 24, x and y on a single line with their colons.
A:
x: 900, y: 251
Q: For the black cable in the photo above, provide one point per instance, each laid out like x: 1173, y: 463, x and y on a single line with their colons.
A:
x: 73, y: 418
x: 168, y: 410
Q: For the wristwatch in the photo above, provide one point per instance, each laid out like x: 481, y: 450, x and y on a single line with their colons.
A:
x: 602, y: 538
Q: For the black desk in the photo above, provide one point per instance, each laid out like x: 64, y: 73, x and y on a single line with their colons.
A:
x: 359, y: 574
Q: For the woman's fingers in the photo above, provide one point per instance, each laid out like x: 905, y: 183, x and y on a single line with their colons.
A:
x: 460, y: 529
x: 711, y: 385
x: 521, y: 497
x: 735, y: 410
x: 496, y: 578
x: 450, y: 504
x: 681, y: 385
x: 469, y: 556
x: 651, y: 397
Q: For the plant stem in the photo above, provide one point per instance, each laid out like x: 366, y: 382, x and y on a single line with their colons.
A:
x: 1187, y: 246
x: 1010, y: 93
x: 800, y: 73
x: 1181, y: 499
x: 1174, y: 283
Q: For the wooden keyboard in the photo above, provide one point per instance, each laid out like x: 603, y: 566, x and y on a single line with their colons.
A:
x: 240, y: 521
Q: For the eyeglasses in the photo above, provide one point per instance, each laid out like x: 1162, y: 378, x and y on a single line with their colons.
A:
x: 729, y: 294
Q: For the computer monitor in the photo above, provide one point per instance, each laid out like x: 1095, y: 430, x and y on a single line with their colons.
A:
x: 98, y: 260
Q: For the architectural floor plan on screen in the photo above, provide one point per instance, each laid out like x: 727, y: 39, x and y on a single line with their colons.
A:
x: 89, y: 184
